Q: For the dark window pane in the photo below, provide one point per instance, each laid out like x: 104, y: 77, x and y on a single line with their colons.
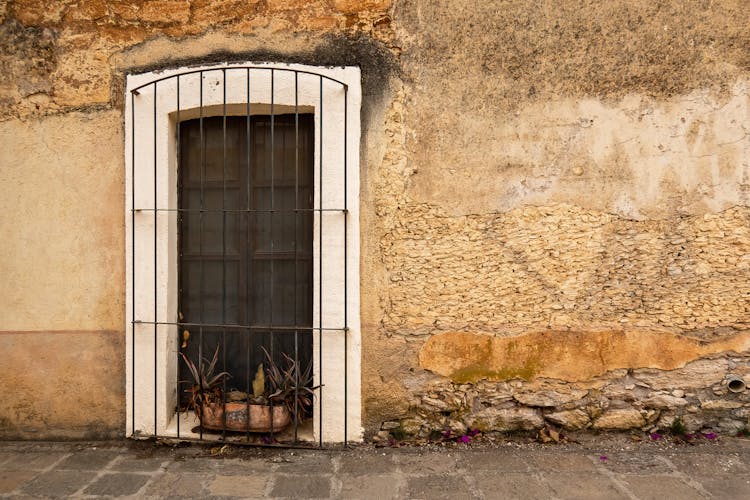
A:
x: 246, y: 268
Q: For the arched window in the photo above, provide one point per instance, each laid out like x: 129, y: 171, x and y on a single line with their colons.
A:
x: 242, y: 220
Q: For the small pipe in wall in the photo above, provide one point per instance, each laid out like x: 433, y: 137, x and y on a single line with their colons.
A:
x: 736, y: 384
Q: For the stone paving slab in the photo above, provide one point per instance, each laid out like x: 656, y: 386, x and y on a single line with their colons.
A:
x: 513, y: 485
x: 11, y: 481
x: 32, y: 461
x: 301, y: 486
x: 661, y: 487
x: 584, y: 486
x: 371, y: 486
x: 596, y: 470
x: 117, y: 484
x: 57, y: 483
x: 439, y: 486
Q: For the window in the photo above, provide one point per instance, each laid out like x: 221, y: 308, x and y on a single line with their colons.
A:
x: 242, y: 232
x: 245, y: 237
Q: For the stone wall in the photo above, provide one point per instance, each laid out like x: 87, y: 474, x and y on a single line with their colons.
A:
x: 704, y: 394
x: 555, y: 200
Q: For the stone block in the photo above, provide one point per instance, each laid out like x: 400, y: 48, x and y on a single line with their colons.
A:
x: 117, y: 484
x: 360, y: 465
x: 664, y: 402
x: 512, y: 485
x: 180, y: 484
x: 513, y: 419
x: 438, y: 486
x: 371, y: 486
x: 726, y: 487
x: 570, y: 420
x: 659, y: 487
x: 301, y: 486
x: 620, y: 420
x: 250, y: 486
x: 57, y: 483
x: 583, y: 486
x: 10, y: 480
x: 134, y: 464
x: 721, y: 404
x: 549, y: 398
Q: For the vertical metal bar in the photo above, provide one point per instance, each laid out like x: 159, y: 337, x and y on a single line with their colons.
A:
x: 296, y: 247
x: 132, y: 256
x: 200, y: 245
x: 270, y: 230
x: 156, y: 274
x: 248, y: 257
x: 248, y: 388
x: 179, y: 277
x: 200, y: 379
x: 224, y: 250
x: 346, y: 295
x: 320, y: 267
x: 247, y: 138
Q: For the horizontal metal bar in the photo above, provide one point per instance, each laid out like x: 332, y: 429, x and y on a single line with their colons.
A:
x: 206, y: 70
x: 282, y: 328
x: 259, y: 256
x: 298, y: 445
x: 239, y: 210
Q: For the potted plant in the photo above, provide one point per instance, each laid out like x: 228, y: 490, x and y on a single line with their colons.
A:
x: 281, y: 394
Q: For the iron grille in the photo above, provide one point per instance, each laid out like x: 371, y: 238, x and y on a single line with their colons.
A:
x: 249, y: 212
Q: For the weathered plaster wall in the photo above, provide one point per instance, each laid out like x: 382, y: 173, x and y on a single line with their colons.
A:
x: 61, y: 242
x: 61, y: 114
x: 569, y: 180
x: 61, y: 235
x: 62, y: 384
x: 564, y: 176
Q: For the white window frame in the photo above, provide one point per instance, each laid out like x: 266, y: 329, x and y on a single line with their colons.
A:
x: 150, y: 144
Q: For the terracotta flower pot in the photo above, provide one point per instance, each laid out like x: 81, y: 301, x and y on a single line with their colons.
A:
x: 237, y: 417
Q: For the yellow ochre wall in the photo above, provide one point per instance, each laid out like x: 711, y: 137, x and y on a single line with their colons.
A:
x: 555, y: 203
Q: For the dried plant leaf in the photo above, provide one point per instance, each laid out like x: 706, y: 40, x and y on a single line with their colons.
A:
x: 259, y: 382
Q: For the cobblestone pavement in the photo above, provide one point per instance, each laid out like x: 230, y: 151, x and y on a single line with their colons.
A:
x: 602, y: 467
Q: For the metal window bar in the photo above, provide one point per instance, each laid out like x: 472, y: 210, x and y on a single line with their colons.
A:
x: 156, y: 274
x: 248, y: 264
x: 270, y: 228
x: 179, y: 277
x: 181, y: 212
x: 296, y: 233
x: 223, y: 248
x: 320, y: 264
x: 200, y: 251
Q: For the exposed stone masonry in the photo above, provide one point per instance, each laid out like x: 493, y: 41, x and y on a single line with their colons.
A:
x: 622, y: 399
x: 562, y: 266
